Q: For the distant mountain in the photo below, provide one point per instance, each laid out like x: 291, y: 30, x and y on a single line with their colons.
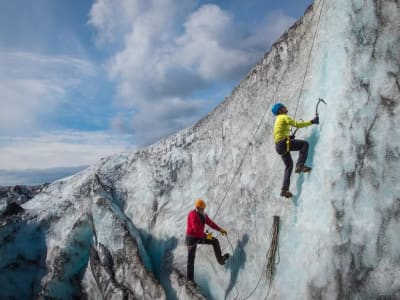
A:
x: 36, y: 176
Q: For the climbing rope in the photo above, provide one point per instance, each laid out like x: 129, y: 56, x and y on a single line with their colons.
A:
x: 269, y: 262
x: 258, y: 282
x: 309, y: 56
x: 273, y: 249
x: 250, y: 143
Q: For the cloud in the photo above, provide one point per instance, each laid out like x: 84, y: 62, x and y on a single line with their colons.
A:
x: 60, y: 149
x: 113, y: 18
x: 33, y: 87
x: 172, y: 50
x: 274, y: 24
x: 211, y: 45
x: 24, y: 102
x: 155, y: 121
x: 19, y: 64
x: 157, y: 62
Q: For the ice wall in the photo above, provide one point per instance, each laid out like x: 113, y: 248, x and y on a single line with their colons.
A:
x: 116, y: 230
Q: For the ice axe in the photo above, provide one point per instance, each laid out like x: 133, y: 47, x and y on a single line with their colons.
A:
x: 316, y: 115
x: 316, y: 108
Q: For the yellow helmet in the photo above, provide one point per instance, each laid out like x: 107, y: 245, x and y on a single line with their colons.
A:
x: 200, y: 203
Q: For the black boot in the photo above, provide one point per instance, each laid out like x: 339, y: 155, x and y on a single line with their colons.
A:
x: 302, y: 168
x: 286, y: 194
x: 223, y: 259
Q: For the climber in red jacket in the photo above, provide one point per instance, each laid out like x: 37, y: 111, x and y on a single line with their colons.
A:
x: 195, y: 234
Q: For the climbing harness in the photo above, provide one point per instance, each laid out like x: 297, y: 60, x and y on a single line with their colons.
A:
x: 287, y: 145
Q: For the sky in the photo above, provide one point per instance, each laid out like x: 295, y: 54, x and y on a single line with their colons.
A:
x: 82, y: 79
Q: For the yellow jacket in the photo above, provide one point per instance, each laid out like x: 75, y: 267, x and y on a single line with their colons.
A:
x: 282, y: 126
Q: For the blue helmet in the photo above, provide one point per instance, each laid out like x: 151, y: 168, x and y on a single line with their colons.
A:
x: 276, y: 107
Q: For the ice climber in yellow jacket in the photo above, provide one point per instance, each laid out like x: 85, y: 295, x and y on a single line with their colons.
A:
x: 284, y: 144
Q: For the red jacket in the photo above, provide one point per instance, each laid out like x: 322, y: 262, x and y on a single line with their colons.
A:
x: 195, y: 226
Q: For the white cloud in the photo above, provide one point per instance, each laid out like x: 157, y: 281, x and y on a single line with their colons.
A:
x: 24, y: 102
x: 155, y: 121
x: 212, y: 45
x: 275, y: 23
x: 19, y: 64
x: 171, y: 50
x: 173, y: 113
x: 113, y: 18
x: 32, y: 87
x: 60, y: 149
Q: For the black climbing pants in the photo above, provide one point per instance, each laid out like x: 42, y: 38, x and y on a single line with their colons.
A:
x: 294, y: 145
x: 191, y: 243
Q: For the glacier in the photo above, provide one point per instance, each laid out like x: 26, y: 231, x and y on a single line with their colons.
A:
x: 116, y: 230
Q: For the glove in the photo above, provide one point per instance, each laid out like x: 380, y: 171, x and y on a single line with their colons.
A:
x: 315, y: 120
x: 223, y: 231
x: 209, y: 236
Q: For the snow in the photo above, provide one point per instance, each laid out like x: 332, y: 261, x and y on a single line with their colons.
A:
x: 117, y: 228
